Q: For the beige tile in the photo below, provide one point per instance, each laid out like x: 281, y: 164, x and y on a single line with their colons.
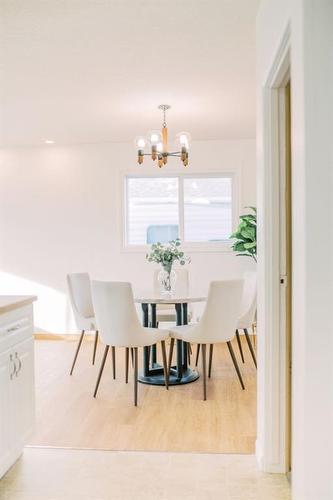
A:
x: 55, y: 474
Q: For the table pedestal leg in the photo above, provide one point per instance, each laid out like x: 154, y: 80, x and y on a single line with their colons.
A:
x: 180, y: 374
x: 145, y: 349
x: 185, y: 344
x: 179, y: 321
x: 153, y: 325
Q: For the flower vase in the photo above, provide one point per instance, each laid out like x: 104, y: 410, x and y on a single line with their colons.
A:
x: 167, y: 281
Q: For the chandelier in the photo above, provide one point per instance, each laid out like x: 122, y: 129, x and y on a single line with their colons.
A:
x: 158, y: 142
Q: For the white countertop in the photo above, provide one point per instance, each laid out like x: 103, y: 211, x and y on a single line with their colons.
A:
x: 11, y: 302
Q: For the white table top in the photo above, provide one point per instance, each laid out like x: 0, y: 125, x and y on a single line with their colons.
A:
x: 152, y: 298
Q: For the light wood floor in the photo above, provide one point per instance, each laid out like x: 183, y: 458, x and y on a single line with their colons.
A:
x: 174, y: 420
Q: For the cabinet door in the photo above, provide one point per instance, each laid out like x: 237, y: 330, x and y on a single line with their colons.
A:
x: 7, y: 371
x: 24, y: 391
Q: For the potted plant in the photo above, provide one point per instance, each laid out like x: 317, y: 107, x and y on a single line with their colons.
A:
x: 245, y: 236
x: 166, y: 255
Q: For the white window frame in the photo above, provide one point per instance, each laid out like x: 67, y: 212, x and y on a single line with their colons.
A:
x: 201, y: 246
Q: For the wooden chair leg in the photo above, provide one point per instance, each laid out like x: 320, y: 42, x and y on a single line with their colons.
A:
x: 135, y: 376
x: 165, y: 364
x: 189, y: 351
x: 114, y: 362
x: 77, y: 351
x: 197, y: 355
x: 249, y: 343
x: 106, y: 350
x: 233, y: 357
x: 172, y: 343
x: 95, y: 347
x: 239, y: 345
x: 126, y: 364
x: 132, y: 357
x: 211, y: 349
x: 204, y: 370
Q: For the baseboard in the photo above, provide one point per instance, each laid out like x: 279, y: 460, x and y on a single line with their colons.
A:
x: 269, y: 467
x: 59, y: 336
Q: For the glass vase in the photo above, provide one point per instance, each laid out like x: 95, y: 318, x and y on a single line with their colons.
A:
x: 167, y: 281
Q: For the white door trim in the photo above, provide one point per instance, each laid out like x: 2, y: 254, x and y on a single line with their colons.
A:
x: 271, y: 440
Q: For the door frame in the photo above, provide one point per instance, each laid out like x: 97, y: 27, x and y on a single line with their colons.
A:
x: 272, y: 428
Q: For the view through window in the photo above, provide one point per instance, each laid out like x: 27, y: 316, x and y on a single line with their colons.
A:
x: 195, y: 209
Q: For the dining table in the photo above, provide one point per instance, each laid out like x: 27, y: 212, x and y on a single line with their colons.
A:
x: 181, y: 372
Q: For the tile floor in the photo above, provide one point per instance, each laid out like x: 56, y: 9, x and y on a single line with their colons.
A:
x: 60, y: 474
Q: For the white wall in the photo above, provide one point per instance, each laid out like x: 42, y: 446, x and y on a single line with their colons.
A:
x: 60, y: 212
x: 311, y: 38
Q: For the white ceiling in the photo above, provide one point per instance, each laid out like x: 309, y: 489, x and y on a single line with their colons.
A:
x: 95, y: 70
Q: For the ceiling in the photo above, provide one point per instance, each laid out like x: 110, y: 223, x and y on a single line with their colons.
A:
x: 84, y: 71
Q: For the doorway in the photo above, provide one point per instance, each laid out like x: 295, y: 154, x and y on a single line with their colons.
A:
x: 273, y: 447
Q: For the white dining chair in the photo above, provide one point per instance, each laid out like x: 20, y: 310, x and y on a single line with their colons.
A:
x: 119, y: 326
x: 165, y: 312
x: 248, y: 312
x: 246, y: 320
x: 80, y: 297
x: 217, y: 324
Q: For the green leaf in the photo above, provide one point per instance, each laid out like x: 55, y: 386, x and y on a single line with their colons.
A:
x: 249, y: 233
x: 250, y: 245
x: 239, y: 246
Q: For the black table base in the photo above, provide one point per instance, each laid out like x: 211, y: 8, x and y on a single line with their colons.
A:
x: 156, y: 376
x: 152, y: 371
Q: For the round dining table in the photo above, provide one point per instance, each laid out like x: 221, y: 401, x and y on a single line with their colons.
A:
x: 152, y: 372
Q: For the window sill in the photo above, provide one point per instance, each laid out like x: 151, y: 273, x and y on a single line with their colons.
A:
x: 223, y: 247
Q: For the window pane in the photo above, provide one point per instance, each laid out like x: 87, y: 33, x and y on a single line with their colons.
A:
x: 208, y: 208
x: 152, y: 210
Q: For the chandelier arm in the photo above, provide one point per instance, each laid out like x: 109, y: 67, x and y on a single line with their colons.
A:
x: 174, y: 153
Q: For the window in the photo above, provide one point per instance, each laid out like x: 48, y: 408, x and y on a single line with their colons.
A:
x: 152, y: 210
x: 199, y: 209
x: 207, y: 209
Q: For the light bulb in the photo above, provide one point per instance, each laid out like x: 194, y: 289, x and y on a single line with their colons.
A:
x: 184, y: 139
x: 154, y: 136
x: 140, y: 143
x: 159, y: 147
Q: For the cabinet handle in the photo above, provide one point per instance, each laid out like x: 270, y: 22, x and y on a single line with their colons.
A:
x: 20, y: 364
x: 14, y: 366
x: 13, y: 328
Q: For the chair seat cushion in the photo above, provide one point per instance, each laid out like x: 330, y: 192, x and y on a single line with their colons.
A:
x: 182, y: 332
x: 148, y: 337
x: 169, y: 315
x: 191, y: 333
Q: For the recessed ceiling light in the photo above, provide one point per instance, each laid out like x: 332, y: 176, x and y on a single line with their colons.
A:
x: 49, y: 141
